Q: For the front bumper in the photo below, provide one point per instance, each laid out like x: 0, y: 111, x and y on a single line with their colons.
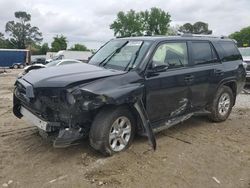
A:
x: 37, y: 121
x: 248, y: 78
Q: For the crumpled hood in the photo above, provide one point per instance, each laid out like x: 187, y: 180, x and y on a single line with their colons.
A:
x: 64, y: 75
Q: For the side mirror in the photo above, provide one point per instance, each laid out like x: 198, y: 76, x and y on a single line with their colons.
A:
x: 157, y: 67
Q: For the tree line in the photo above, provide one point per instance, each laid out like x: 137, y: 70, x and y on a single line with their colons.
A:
x: 21, y: 35
x: 153, y: 22
x: 157, y: 22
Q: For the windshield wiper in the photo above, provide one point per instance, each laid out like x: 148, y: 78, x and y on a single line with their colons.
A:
x: 106, y: 60
x: 133, y: 59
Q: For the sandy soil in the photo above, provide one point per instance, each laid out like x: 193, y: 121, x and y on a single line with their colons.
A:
x: 196, y: 153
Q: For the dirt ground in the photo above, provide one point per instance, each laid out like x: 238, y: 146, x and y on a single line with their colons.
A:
x: 196, y: 153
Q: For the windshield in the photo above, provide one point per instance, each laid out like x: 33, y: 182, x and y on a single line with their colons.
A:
x: 120, y: 54
x: 245, y: 51
x: 53, y: 63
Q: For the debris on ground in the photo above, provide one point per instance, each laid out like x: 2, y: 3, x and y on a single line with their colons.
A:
x: 59, y: 178
x: 216, y: 180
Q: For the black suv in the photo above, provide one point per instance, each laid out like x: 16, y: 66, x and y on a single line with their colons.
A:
x: 132, y: 85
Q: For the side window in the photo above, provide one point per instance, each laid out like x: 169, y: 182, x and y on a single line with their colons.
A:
x: 231, y: 53
x: 203, y: 53
x: 174, y: 55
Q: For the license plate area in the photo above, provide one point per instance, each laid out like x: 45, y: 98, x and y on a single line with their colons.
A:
x: 41, y: 124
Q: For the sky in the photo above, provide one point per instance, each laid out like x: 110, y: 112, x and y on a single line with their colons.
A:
x: 87, y: 22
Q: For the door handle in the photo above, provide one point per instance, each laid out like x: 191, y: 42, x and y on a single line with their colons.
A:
x: 218, y: 72
x: 189, y: 78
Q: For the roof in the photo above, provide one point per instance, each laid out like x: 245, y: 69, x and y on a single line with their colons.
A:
x: 13, y: 50
x: 183, y: 37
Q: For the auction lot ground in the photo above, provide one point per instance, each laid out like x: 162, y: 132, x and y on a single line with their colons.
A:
x: 196, y: 153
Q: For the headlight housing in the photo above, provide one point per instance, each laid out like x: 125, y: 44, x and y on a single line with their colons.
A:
x: 70, y: 98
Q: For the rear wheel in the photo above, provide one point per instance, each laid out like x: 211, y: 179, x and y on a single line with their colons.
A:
x: 222, y: 104
x: 15, y: 66
x: 112, y: 130
x: 21, y: 66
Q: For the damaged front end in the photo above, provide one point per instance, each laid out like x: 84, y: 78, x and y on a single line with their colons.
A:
x: 53, y: 111
x: 69, y: 112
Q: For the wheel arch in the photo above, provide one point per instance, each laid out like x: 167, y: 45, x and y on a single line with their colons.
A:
x: 132, y: 109
x: 232, y: 84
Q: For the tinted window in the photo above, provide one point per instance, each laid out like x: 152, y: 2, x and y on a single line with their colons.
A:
x: 172, y: 54
x: 231, y: 52
x: 203, y: 53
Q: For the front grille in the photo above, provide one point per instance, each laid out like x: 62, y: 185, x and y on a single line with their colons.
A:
x: 248, y: 65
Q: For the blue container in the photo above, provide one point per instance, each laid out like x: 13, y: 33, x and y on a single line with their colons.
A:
x: 12, y: 57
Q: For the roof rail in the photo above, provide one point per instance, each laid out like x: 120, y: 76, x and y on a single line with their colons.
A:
x: 207, y: 36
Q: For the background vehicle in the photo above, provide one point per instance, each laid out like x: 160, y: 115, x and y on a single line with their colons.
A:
x: 245, y: 52
x: 40, y: 60
x: 143, y: 84
x: 51, y: 64
x: 14, y: 58
x: 67, y: 54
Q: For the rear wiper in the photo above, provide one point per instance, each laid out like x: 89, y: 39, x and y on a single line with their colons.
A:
x: 133, y: 59
x: 106, y: 60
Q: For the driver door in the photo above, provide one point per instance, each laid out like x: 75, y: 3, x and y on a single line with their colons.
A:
x: 167, y: 92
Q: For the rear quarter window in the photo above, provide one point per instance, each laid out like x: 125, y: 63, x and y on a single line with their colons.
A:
x: 231, y: 52
x: 203, y: 53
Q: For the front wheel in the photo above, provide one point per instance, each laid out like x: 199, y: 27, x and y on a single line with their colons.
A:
x: 112, y: 130
x: 222, y: 104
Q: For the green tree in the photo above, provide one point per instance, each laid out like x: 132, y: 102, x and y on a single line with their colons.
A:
x: 187, y: 28
x: 153, y: 22
x: 157, y: 22
x: 21, y: 32
x: 44, y: 48
x: 127, y: 24
x: 59, y: 43
x: 242, y: 37
x: 2, y: 41
x: 196, y: 28
x: 79, y: 47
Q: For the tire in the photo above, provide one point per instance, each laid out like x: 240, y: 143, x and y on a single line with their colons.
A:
x: 21, y: 66
x: 222, y: 104
x: 15, y: 66
x: 107, y: 135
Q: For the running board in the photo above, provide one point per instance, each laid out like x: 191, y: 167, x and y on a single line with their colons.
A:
x: 172, y: 122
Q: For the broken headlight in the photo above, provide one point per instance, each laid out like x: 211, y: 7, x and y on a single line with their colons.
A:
x: 94, y: 103
x: 70, y: 98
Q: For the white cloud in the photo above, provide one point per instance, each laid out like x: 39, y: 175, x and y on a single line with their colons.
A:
x: 88, y: 21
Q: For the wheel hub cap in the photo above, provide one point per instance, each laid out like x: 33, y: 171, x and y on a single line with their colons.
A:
x: 224, y: 104
x: 120, y: 133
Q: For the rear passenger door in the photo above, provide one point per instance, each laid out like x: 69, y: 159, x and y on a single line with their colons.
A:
x: 206, y: 72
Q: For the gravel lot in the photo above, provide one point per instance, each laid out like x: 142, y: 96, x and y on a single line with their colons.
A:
x: 196, y: 153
